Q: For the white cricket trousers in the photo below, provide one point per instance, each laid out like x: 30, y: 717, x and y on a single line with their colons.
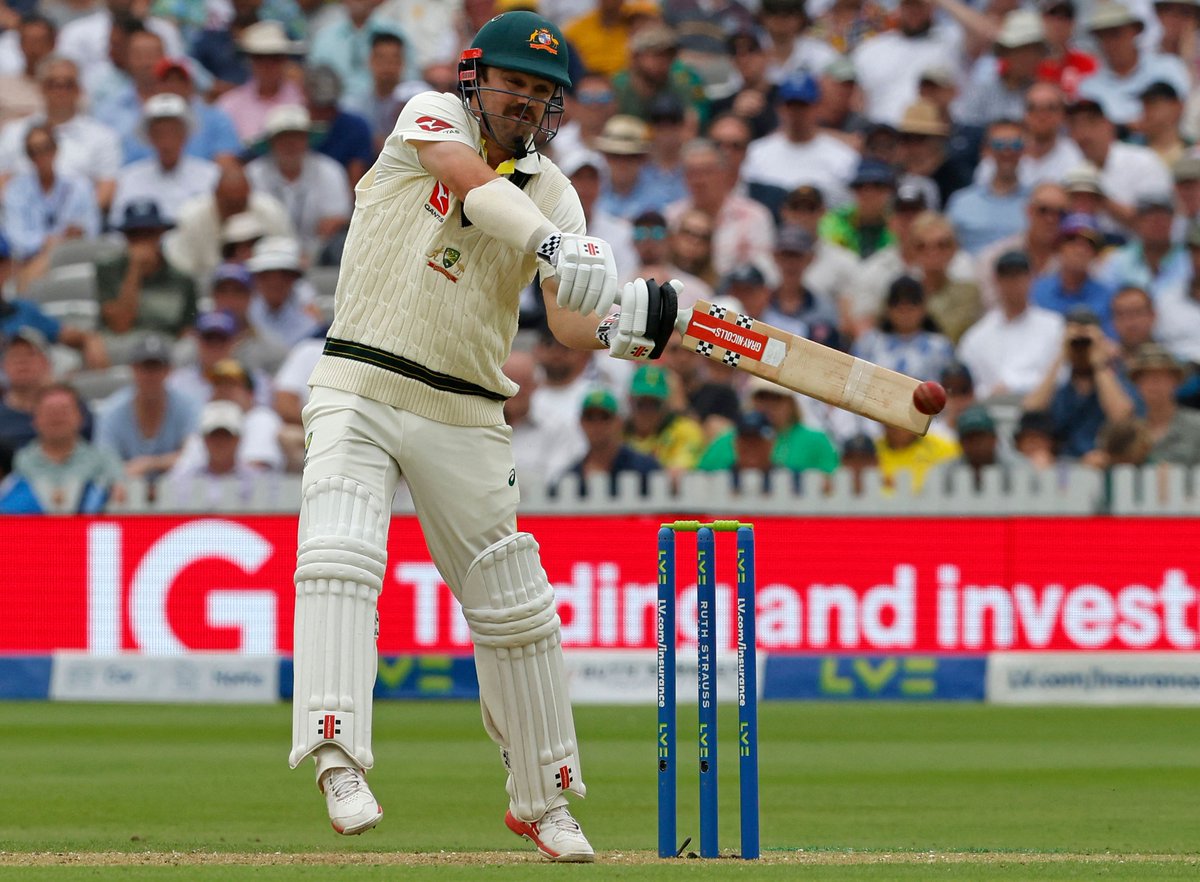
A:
x: 462, y: 479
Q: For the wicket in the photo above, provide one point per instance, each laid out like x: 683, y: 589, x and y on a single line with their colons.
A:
x: 706, y: 661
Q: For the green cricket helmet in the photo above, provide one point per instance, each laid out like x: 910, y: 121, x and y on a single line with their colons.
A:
x: 527, y: 43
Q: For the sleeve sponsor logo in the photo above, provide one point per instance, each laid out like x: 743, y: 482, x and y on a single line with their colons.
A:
x: 433, y: 124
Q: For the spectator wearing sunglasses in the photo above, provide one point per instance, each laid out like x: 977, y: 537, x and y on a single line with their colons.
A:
x: 654, y: 257
x: 985, y: 213
x: 1044, y: 211
x: 1049, y: 154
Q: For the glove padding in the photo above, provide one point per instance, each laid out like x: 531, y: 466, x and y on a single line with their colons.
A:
x: 586, y: 272
x: 643, y: 326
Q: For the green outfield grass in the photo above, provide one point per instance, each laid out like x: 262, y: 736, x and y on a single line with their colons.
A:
x: 854, y: 791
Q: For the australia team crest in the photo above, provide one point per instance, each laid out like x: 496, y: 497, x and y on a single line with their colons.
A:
x: 544, y: 40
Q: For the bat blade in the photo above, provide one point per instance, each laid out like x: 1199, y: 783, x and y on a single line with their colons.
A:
x: 804, y: 366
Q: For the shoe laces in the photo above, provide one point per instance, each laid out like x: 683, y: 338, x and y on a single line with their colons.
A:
x: 345, y: 783
x: 560, y: 818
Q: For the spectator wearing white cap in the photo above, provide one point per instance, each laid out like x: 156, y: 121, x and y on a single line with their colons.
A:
x: 86, y: 146
x: 170, y: 177
x: 889, y: 64
x: 195, y: 245
x: 1126, y: 70
x: 217, y: 455
x: 997, y: 91
x: 280, y: 308
x: 311, y: 186
x: 211, y: 136
x: 799, y: 152
x: 269, y: 87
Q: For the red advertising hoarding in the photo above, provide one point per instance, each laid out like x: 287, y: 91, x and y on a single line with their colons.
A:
x: 174, y: 584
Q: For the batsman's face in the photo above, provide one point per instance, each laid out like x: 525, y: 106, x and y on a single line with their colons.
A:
x: 515, y: 103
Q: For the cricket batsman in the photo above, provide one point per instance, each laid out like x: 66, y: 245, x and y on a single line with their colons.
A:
x: 457, y: 215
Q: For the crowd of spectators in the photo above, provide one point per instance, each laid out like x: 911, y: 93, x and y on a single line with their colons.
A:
x: 1001, y: 197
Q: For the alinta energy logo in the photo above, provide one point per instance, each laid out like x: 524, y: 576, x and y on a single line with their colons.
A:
x: 544, y: 40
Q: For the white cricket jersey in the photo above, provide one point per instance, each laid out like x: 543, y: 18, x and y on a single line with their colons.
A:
x: 426, y: 304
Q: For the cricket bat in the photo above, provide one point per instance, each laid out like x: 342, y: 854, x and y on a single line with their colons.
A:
x: 801, y: 365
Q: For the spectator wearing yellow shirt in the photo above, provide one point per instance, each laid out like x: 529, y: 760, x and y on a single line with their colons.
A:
x: 675, y: 440
x: 602, y: 36
x: 900, y: 450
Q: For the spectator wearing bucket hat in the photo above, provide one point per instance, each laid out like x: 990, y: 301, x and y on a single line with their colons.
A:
x: 1174, y: 430
x: 1126, y: 70
x: 625, y: 145
x: 1127, y: 171
x: 281, y: 307
x: 311, y: 186
x: 799, y: 152
x: 169, y: 175
x: 269, y: 49
x: 923, y: 153
x: 139, y: 289
x: 890, y: 64
x: 999, y: 93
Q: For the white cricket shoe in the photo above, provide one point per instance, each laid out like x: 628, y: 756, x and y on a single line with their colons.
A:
x: 557, y: 836
x: 352, y: 807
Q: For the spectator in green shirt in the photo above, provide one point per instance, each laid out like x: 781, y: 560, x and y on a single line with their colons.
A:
x: 862, y: 225
x: 795, y: 446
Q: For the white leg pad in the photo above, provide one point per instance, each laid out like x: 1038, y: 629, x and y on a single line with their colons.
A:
x: 509, y: 605
x: 339, y: 573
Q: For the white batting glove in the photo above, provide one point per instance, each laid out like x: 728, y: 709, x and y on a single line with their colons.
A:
x: 586, y: 272
x: 624, y: 332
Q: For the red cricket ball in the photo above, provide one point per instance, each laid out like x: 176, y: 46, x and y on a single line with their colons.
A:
x: 929, y: 397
